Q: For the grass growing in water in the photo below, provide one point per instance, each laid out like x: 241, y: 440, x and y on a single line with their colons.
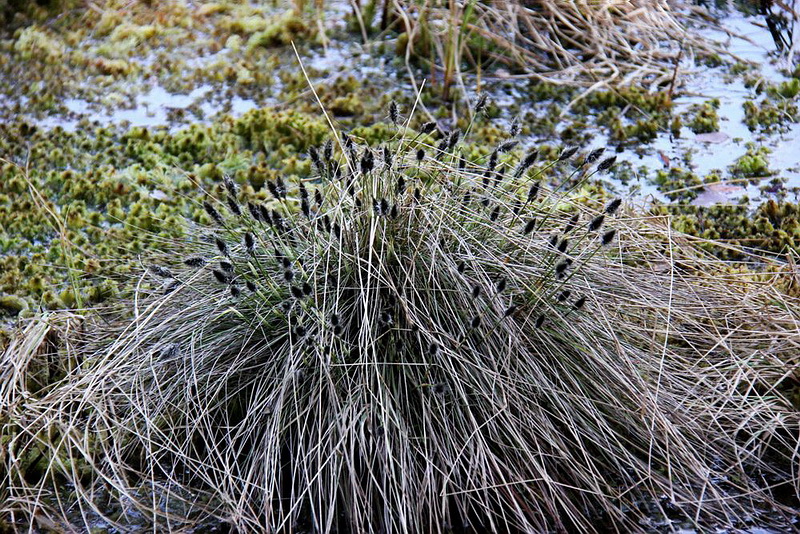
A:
x: 415, y: 342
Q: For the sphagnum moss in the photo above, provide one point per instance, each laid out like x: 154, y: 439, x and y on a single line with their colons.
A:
x: 422, y: 348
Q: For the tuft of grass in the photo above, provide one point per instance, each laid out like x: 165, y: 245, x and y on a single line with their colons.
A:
x: 419, y: 344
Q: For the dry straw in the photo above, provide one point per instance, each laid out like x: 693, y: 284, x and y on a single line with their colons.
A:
x: 414, y: 365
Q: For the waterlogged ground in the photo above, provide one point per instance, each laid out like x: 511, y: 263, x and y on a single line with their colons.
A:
x: 112, y: 125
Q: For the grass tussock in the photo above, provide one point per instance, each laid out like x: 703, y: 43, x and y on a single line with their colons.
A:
x: 579, y: 43
x: 414, y: 342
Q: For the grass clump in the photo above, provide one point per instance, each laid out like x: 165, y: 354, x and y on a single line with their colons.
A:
x: 415, y: 341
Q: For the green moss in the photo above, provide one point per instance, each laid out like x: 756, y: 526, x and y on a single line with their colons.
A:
x: 703, y: 118
x: 753, y: 164
x: 12, y: 305
x: 678, y: 184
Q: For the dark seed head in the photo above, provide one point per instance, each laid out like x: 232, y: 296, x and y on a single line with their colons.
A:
x: 594, y: 155
x: 394, y: 113
x: 461, y: 267
x: 439, y: 389
x: 305, y: 207
x: 307, y: 288
x: 501, y: 285
x: 337, y: 330
x: 495, y: 213
x: 561, y: 268
x: 297, y: 292
x: 393, y: 212
x: 265, y: 216
x: 417, y: 194
x: 607, y: 163
x: 510, y: 310
x: 507, y: 146
x: 223, y: 248
x: 476, y: 291
x: 529, y: 226
x: 433, y: 349
x: 387, y: 157
x: 608, y: 237
x: 334, y: 319
x: 533, y: 191
x: 327, y: 151
x: 579, y: 303
x: 567, y: 153
x: 226, y: 266
x: 420, y: 154
x: 513, y: 129
x: 540, y: 321
x: 318, y: 197
x: 299, y: 331
x: 234, y: 206
x: 235, y: 291
x: 527, y: 161
x: 221, y: 277
x: 562, y: 247
x: 452, y: 139
x: 613, y: 206
x: 250, y: 286
x: 249, y: 242
x: 564, y: 295
x: 428, y: 127
x: 597, y: 222
x: 229, y: 185
x: 553, y: 241
x: 212, y: 212
x: 480, y: 105
x: 571, y: 224
x: 158, y: 270
x: 475, y: 322
x: 288, y: 275
x: 195, y: 262
x: 367, y: 161
x: 172, y: 286
x: 384, y: 207
x: 255, y: 213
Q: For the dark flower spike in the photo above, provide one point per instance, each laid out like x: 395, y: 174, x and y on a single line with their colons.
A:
x: 250, y: 286
x: 305, y: 207
x: 221, y: 277
x: 226, y: 266
x: 367, y: 161
x: 507, y: 146
x: 510, y: 310
x: 572, y: 223
x: 394, y: 113
x: 417, y: 194
x: 249, y: 242
x: 273, y: 189
x: 420, y: 154
x: 527, y: 161
x: 440, y: 388
x: 301, y: 188
x: 475, y: 322
x: 265, y: 216
x: 461, y: 267
x: 327, y: 151
x: 334, y: 320
x: 393, y: 212
x: 428, y: 127
x: 533, y: 191
x: 384, y: 207
x: 564, y: 295
x: 608, y: 237
x: 401, y: 185
x: 553, y: 241
x: 318, y: 197
x: 158, y: 270
x: 596, y: 223
x: 513, y: 129
x: 233, y: 205
x: 452, y: 139
x: 172, y: 286
x: 213, y: 213
x: 288, y: 275
x: 255, y: 213
x: 297, y: 292
x: 613, y: 206
x: 280, y: 187
x: 561, y: 268
x: 235, y: 292
x: 307, y: 289
x: 476, y: 291
x: 594, y: 155
x: 495, y: 213
x: 480, y: 105
x: 540, y: 321
x: 562, y: 247
x: 433, y: 349
x: 223, y: 248
x: 194, y: 262
x: 229, y: 185
x: 579, y: 303
x: 607, y: 163
x: 567, y: 153
x: 387, y: 157
x: 529, y: 226
x: 501, y: 285
x: 492, y: 162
